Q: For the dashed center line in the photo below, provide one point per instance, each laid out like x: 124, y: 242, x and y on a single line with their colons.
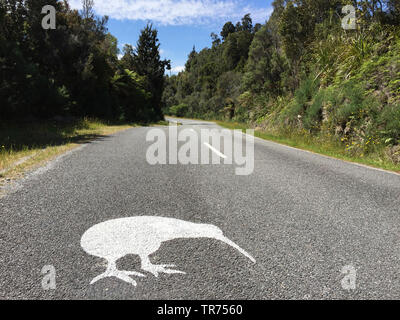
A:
x: 217, y: 152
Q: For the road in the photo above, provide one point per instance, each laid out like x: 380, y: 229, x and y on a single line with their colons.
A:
x: 302, y: 216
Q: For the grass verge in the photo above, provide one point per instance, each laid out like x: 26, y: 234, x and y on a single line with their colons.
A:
x: 321, y: 145
x: 26, y: 146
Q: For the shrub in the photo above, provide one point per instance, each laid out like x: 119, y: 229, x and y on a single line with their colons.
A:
x: 302, y: 99
x: 389, y: 121
x: 313, y: 114
x: 179, y: 110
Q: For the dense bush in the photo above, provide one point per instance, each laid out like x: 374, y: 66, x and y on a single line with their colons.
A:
x: 389, y: 124
x: 74, y: 70
x: 180, y: 110
x: 302, y: 72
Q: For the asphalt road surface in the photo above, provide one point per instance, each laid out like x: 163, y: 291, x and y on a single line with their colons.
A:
x: 302, y: 217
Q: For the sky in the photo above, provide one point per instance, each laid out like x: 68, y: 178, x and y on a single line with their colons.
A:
x: 181, y: 24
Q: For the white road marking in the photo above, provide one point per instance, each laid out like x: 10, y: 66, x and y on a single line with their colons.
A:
x: 114, y: 239
x: 217, y: 152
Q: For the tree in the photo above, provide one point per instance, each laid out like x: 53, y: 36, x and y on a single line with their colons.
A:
x: 236, y: 49
x: 247, y: 23
x: 134, y: 101
x: 88, y: 9
x: 215, y: 39
x: 72, y: 70
x: 191, y: 59
x: 147, y: 62
x: 394, y: 11
x: 266, y: 65
x: 227, y: 29
x: 128, y: 57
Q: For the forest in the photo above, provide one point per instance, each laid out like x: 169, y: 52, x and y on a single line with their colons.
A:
x: 74, y: 71
x: 302, y: 73
x: 305, y: 73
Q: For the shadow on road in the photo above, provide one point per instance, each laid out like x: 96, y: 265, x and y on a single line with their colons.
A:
x: 19, y: 136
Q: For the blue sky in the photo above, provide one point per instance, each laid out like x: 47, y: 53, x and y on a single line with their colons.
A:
x: 182, y: 24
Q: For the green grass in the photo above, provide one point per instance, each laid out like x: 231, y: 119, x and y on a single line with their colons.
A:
x: 324, y: 145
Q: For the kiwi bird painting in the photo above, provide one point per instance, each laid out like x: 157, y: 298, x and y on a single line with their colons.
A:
x: 142, y: 236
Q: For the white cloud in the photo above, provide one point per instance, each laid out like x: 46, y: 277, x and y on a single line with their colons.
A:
x: 177, y: 69
x: 122, y: 45
x: 177, y: 12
